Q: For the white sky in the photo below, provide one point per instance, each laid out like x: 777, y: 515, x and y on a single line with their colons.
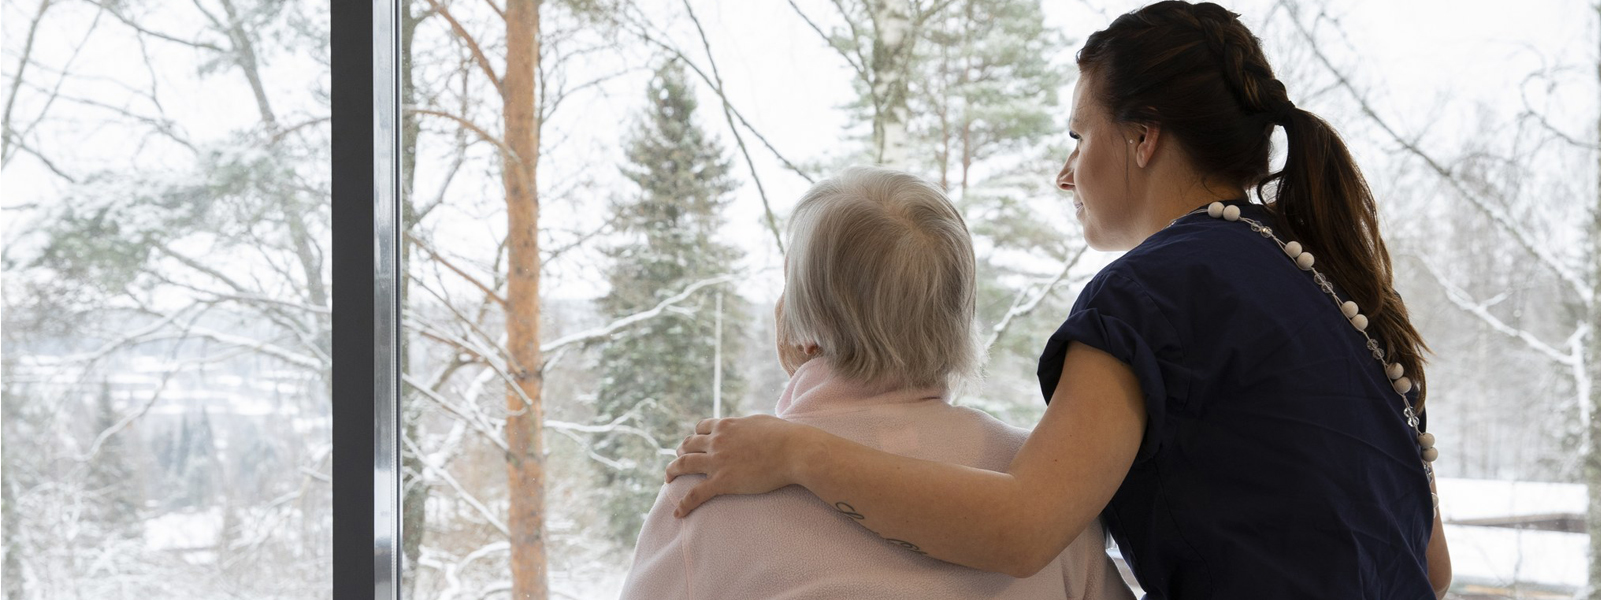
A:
x: 1429, y: 65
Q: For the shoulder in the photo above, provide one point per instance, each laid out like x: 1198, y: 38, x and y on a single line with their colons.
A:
x: 1195, y: 245
x: 990, y: 426
x: 1177, y: 270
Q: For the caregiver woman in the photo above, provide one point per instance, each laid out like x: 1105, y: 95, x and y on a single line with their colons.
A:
x: 1240, y: 395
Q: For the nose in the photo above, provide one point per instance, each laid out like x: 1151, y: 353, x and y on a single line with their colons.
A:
x: 1064, y: 179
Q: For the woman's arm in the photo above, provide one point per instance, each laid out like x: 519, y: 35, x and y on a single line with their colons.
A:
x: 1439, y: 556
x: 1014, y: 522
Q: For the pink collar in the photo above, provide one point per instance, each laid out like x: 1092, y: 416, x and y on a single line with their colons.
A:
x: 815, y: 389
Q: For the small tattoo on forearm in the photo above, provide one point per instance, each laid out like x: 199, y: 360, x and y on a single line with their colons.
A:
x: 850, y: 511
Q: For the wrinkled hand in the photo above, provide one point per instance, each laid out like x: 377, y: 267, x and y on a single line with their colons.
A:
x: 745, y: 455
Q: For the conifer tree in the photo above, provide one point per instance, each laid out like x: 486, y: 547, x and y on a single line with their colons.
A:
x: 113, y: 489
x: 661, y: 371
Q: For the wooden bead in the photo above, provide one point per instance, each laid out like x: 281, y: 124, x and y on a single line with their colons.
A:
x: 1231, y: 213
x: 1215, y: 210
x: 1349, y: 309
x: 1360, y: 322
x: 1304, y: 261
x: 1426, y: 440
x: 1395, y: 371
x: 1402, y: 385
x: 1429, y: 454
x: 1293, y: 249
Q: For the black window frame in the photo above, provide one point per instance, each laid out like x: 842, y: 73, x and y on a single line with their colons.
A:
x: 366, y: 452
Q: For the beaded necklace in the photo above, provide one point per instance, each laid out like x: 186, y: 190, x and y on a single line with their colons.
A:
x: 1304, y: 260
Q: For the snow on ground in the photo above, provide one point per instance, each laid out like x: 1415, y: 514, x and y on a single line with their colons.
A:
x: 1466, y: 499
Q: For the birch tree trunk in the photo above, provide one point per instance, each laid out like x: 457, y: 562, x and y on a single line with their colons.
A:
x: 892, y: 53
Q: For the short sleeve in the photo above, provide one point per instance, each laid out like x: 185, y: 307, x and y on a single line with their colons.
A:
x: 1117, y: 315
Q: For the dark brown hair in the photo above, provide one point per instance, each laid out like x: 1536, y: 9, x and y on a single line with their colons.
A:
x: 1200, y: 74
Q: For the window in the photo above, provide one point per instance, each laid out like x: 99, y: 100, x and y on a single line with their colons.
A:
x: 167, y: 360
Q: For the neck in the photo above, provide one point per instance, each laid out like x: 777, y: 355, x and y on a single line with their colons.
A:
x: 1174, y: 201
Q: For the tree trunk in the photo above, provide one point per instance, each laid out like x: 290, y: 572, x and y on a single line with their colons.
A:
x: 891, y: 58
x: 10, y: 545
x: 525, y: 461
x: 1592, y: 359
x: 414, y: 488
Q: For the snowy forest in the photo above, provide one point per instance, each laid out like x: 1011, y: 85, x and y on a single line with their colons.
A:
x: 593, y: 195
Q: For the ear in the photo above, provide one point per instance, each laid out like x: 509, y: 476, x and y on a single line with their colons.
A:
x: 1146, y: 138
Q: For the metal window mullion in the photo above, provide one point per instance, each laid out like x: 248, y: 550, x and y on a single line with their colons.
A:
x: 365, y: 260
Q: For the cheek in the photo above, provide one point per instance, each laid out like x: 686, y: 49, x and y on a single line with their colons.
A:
x: 1089, y: 171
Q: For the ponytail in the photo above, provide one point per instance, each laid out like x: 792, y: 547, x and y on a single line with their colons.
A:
x: 1201, y: 74
x: 1322, y: 201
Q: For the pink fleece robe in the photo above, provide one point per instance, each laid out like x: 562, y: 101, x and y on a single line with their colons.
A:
x: 790, y: 544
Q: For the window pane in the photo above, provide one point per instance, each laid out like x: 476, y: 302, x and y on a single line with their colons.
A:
x: 166, y: 300
x: 593, y: 192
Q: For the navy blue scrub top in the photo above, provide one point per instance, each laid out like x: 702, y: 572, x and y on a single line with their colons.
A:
x: 1276, y: 462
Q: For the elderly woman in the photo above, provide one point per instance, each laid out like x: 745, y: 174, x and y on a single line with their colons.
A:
x: 874, y: 327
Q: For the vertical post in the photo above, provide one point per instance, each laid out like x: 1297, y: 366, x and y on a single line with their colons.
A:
x: 717, y: 359
x: 365, y: 302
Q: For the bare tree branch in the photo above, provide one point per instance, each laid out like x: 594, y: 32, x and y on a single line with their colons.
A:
x: 1499, y: 218
x: 472, y: 43
x: 16, y: 80
x: 728, y: 115
x: 645, y: 35
x: 582, y: 239
x: 510, y: 154
x: 1530, y: 112
x: 490, y: 293
x: 859, y: 67
x: 142, y: 30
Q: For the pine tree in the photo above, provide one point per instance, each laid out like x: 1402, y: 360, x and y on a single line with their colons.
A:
x: 662, y: 370
x: 986, y: 87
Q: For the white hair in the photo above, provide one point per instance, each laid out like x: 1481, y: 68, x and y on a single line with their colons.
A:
x: 880, y: 276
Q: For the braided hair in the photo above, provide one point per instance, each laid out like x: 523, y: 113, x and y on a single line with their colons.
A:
x: 1196, y: 70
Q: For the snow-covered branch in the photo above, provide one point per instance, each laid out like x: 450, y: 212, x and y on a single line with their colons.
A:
x: 123, y: 423
x: 489, y: 357
x: 481, y: 423
x: 1463, y: 301
x: 466, y: 496
x: 1021, y: 308
x: 608, y: 329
